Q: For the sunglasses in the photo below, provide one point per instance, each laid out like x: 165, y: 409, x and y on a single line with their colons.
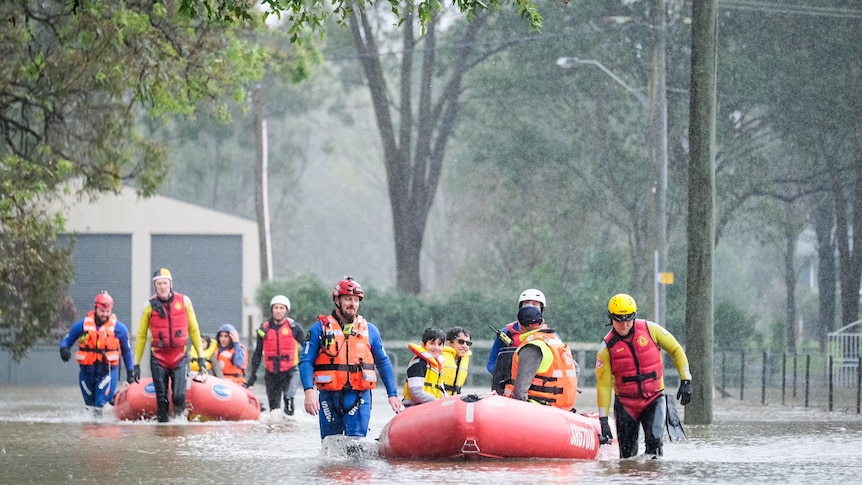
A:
x: 464, y: 342
x: 623, y: 318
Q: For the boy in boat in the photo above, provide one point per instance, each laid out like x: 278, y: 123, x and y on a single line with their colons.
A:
x: 456, y: 360
x: 424, y: 381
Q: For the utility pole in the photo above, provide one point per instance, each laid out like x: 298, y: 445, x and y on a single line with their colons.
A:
x: 658, y: 111
x: 699, y: 292
x: 261, y: 192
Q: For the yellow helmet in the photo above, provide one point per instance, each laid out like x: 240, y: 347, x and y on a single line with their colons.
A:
x: 622, y: 305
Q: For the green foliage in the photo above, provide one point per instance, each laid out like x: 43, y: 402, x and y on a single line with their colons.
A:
x: 312, y: 15
x: 77, y: 76
x: 734, y: 328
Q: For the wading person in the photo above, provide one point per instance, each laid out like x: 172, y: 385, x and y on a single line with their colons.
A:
x: 337, y: 366
x: 629, y: 362
x: 170, y: 319
x: 102, y: 340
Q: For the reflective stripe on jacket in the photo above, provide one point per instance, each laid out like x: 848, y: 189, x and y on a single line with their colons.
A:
x: 344, y: 361
x: 98, y: 342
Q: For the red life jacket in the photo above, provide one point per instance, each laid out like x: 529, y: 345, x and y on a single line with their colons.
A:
x: 344, y: 360
x: 635, y: 362
x: 228, y: 369
x: 169, y: 330
x: 280, y: 351
x: 513, y: 330
x: 98, y: 343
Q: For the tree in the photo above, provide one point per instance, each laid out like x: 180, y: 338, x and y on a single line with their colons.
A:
x: 415, y: 138
x: 76, y: 78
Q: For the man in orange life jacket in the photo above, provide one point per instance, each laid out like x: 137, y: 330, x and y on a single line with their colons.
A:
x: 340, y: 354
x: 629, y: 362
x: 543, y: 369
x: 278, y: 342
x: 507, y: 342
x: 170, y: 319
x: 101, y: 340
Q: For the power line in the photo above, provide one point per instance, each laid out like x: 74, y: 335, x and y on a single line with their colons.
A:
x: 783, y: 8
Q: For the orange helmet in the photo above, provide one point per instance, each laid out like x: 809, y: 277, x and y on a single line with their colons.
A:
x: 347, y: 286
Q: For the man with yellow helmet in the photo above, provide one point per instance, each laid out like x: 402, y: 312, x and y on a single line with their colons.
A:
x: 629, y: 363
x: 170, y: 320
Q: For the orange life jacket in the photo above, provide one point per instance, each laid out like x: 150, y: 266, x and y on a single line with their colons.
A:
x: 344, y: 361
x: 280, y: 351
x: 169, y: 330
x: 558, y: 385
x: 635, y: 362
x: 98, y: 342
x: 228, y: 369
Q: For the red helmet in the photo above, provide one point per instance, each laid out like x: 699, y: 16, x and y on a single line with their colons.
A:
x: 347, y: 286
x: 104, y: 300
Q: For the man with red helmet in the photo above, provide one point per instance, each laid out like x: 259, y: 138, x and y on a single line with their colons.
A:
x: 340, y: 355
x: 101, y: 340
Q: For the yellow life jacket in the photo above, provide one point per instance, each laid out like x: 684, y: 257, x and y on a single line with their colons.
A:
x: 454, y: 370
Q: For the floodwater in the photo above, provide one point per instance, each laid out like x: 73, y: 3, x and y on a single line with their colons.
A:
x: 47, y: 437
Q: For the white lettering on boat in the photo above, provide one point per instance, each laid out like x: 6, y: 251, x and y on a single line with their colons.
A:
x: 583, y: 437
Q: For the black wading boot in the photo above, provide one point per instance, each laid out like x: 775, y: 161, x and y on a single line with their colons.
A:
x: 288, y: 406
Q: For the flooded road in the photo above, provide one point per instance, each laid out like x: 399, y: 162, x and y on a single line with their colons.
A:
x: 46, y: 437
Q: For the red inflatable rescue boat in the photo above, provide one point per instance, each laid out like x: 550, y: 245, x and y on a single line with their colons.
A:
x: 214, y: 399
x: 492, y: 426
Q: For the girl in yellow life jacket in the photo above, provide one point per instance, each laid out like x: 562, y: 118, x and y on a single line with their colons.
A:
x: 456, y: 360
x: 210, y: 347
x: 425, y: 371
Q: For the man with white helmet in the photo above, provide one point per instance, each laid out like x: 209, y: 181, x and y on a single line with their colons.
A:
x: 279, y: 341
x: 509, y: 339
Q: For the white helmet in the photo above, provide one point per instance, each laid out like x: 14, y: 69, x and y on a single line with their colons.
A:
x: 279, y: 299
x: 532, y: 294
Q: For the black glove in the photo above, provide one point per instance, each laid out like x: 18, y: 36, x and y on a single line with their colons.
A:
x: 65, y: 354
x: 130, y: 376
x: 684, y: 394
x: 202, y: 365
x: 606, y: 436
x: 136, y: 374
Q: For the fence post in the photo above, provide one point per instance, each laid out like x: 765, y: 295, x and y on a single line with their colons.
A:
x: 807, y: 376
x: 858, y: 383
x: 795, y: 366
x: 831, y: 388
x: 783, y: 376
x: 763, y: 380
x: 724, y: 374
x: 742, y: 378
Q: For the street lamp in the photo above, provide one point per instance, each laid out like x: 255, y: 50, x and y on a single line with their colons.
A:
x: 661, y: 161
x: 570, y: 62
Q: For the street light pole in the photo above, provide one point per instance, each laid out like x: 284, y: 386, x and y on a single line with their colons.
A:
x: 658, y: 112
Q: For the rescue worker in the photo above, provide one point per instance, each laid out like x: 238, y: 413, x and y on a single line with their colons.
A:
x: 279, y: 340
x: 456, y: 360
x: 101, y: 340
x: 210, y: 346
x: 231, y: 354
x: 340, y: 354
x: 424, y: 380
x: 543, y: 369
x: 170, y: 320
x: 508, y: 340
x: 629, y: 362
